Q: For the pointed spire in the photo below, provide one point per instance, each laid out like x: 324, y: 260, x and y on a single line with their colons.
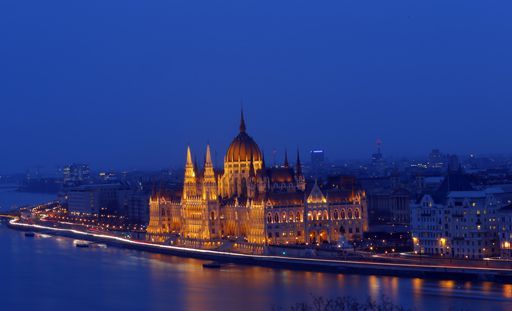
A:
x: 208, y: 160
x: 189, y: 155
x: 298, y: 169
x: 286, y: 164
x: 242, y: 121
x: 208, y: 172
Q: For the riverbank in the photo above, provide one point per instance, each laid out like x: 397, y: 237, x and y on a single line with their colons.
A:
x: 310, y: 264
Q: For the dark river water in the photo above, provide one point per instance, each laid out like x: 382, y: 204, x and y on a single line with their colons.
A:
x: 49, y: 273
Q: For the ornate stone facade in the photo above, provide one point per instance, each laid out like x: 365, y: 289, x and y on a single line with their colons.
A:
x: 257, y: 204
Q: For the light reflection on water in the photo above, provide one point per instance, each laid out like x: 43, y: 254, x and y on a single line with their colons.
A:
x: 52, y: 274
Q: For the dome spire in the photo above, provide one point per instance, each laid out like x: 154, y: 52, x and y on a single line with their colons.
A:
x: 242, y: 121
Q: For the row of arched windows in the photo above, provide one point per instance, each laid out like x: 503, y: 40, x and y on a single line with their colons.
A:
x: 314, y: 215
x: 284, y: 217
x: 342, y: 214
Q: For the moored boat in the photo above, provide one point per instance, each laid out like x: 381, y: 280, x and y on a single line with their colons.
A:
x: 79, y: 243
x: 212, y: 265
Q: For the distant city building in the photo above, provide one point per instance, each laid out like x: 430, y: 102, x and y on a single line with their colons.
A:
x: 454, y: 163
x: 463, y: 226
x: 388, y: 202
x: 389, y: 207
x: 459, y: 221
x: 378, y: 165
x: 505, y: 231
x: 317, y: 162
x: 436, y: 159
x: 377, y: 156
x: 108, y: 177
x: 98, y: 199
x: 76, y: 174
x: 137, y: 210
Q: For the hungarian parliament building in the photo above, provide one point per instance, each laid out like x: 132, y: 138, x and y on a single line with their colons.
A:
x: 254, y: 203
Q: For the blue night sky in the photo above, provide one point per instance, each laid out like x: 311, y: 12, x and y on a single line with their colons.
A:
x: 128, y: 84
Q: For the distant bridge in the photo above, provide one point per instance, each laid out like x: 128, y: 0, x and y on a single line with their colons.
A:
x: 7, y: 216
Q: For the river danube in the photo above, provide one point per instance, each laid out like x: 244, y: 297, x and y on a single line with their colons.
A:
x: 49, y: 273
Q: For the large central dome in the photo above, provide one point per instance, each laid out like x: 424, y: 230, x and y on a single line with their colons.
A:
x: 243, y: 147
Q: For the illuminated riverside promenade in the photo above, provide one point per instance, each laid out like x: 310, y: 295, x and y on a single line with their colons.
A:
x: 344, y: 266
x: 59, y: 276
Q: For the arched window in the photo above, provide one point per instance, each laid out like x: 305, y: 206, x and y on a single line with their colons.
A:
x: 335, y: 214
x: 283, y: 217
x: 290, y: 217
x: 343, y: 214
x: 276, y: 218
x: 269, y: 218
x: 310, y: 216
x: 315, y: 215
x: 350, y: 214
x: 356, y: 213
x: 297, y: 217
x: 326, y: 215
x: 212, y: 215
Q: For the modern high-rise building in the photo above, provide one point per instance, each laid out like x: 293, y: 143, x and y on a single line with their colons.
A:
x: 317, y: 162
x: 76, y: 174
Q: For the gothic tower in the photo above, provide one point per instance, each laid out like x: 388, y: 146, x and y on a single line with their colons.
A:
x: 209, y: 180
x: 190, y: 182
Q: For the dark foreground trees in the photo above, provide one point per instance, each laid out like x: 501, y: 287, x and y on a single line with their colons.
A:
x: 344, y: 303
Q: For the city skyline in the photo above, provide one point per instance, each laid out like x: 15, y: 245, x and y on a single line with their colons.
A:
x: 275, y: 155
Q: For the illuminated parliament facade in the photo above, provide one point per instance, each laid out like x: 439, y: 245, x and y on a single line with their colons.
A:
x: 247, y: 200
